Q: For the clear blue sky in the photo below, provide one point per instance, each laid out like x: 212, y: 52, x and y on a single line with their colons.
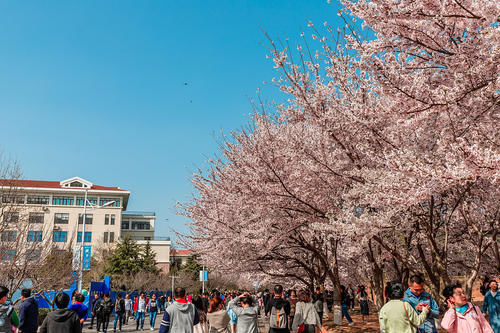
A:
x: 96, y: 89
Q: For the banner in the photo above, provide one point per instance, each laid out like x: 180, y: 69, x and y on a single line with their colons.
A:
x: 76, y: 257
x: 86, y: 257
x: 204, y: 276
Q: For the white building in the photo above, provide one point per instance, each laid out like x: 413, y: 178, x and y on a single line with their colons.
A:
x: 55, y: 211
x: 140, y: 226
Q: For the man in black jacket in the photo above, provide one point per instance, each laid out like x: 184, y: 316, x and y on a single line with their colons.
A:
x: 61, y: 320
x: 92, y: 310
x: 279, y: 310
x: 28, y: 313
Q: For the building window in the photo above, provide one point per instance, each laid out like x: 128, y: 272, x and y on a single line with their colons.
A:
x: 112, y: 219
x: 33, y: 255
x: 11, y: 217
x: 141, y: 226
x: 88, y: 237
x: 80, y: 201
x: 88, y: 220
x: 37, y: 200
x: 36, y: 217
x: 64, y: 201
x: 34, y: 236
x: 125, y: 225
x: 7, y: 255
x: 61, y: 218
x: 60, y: 236
x: 106, y: 219
x: 20, y: 199
x: 147, y: 238
x: 9, y: 236
x: 116, y: 202
x: 111, y: 237
x: 105, y: 237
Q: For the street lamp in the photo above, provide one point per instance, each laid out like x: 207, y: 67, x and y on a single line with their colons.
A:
x: 80, y: 266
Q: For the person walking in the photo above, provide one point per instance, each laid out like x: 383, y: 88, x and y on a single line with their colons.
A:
x: 363, y: 302
x: 318, y: 303
x: 397, y: 316
x: 181, y: 316
x: 279, y: 310
x: 153, y: 308
x: 247, y: 314
x: 92, y: 310
x: 8, y: 316
x: 233, y: 318
x: 350, y: 292
x: 61, y: 320
x: 217, y: 316
x: 306, y: 317
x: 79, y: 308
x: 202, y: 326
x: 293, y: 302
x: 140, y: 311
x: 416, y: 296
x: 345, y: 300
x: 104, y: 309
x: 28, y: 313
x: 462, y: 316
x: 491, y: 306
x: 128, y: 309
x: 119, y: 312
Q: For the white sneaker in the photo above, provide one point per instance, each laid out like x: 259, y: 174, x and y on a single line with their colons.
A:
x: 351, y: 323
x: 152, y: 329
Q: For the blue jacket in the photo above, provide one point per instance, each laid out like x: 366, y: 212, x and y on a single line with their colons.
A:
x: 80, y: 309
x: 492, y: 306
x: 428, y: 326
x: 28, y: 315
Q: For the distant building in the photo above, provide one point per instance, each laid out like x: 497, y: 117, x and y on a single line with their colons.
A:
x: 180, y: 257
x: 140, y: 226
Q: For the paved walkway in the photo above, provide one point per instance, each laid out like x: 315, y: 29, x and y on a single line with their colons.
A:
x: 263, y: 325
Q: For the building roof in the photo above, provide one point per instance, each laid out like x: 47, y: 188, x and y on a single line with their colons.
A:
x: 180, y: 252
x: 49, y: 184
x: 138, y: 213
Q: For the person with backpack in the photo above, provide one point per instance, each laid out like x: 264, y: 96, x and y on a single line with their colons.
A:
x: 345, y: 301
x: 397, y: 316
x: 279, y: 310
x: 119, y: 312
x: 217, y: 316
x: 104, y: 308
x: 61, y: 320
x: 140, y: 311
x: 247, y: 314
x: 153, y: 308
x: 28, y: 313
x: 8, y: 316
x: 181, y: 316
x: 462, y: 316
x: 79, y: 308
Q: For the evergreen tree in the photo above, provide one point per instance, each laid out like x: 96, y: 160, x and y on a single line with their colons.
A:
x: 148, y: 261
x: 125, y: 259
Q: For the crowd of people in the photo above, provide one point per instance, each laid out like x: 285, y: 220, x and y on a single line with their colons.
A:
x: 407, y: 310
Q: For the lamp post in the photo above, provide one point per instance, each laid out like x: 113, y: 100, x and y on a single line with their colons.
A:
x: 80, y: 265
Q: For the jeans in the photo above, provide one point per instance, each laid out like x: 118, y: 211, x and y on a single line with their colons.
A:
x: 104, y: 320
x: 119, y: 318
x: 345, y: 313
x: 320, y: 314
x: 152, y: 318
x: 139, y: 317
x: 127, y: 315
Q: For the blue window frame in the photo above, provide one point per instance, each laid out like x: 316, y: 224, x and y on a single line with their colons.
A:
x: 88, y: 237
x: 80, y: 201
x: 9, y: 236
x: 7, y: 255
x: 104, y: 201
x: 34, y: 236
x: 64, y: 201
x: 60, y: 236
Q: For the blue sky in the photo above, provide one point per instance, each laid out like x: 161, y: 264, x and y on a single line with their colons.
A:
x: 97, y: 89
